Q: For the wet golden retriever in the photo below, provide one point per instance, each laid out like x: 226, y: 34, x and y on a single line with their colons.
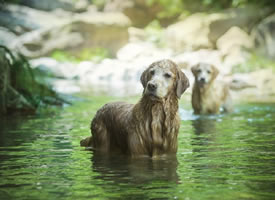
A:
x: 209, y: 96
x: 149, y: 127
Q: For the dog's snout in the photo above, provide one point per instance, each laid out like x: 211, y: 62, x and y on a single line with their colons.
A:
x: 152, y: 86
x: 202, y: 79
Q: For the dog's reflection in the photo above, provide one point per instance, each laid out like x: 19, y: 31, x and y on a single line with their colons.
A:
x: 204, y: 125
x: 205, y: 134
x: 122, y: 169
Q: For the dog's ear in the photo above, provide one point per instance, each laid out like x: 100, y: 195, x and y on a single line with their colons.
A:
x: 182, y: 83
x: 145, y: 77
x: 194, y: 69
x: 215, y: 72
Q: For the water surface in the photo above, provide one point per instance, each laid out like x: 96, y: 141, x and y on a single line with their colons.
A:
x: 219, y: 157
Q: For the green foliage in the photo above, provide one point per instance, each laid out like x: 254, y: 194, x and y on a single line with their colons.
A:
x: 95, y: 54
x: 178, y: 7
x: 172, y: 7
x: 99, y: 3
x: 23, y: 89
x: 255, y: 62
x: 154, y: 32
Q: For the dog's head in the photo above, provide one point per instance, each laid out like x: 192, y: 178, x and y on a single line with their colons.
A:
x: 163, y: 78
x: 204, y: 73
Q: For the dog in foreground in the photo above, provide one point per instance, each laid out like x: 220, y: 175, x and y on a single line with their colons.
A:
x: 209, y: 96
x: 149, y: 127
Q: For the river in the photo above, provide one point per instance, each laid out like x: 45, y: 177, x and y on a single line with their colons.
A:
x: 228, y: 156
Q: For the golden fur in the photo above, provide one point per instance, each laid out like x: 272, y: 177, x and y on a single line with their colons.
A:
x: 149, y: 127
x: 209, y: 96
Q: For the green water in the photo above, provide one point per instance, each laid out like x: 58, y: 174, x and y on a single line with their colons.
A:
x: 219, y: 157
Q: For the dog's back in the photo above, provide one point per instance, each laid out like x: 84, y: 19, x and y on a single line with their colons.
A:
x: 111, y: 118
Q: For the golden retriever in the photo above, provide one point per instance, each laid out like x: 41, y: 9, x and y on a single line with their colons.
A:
x: 149, y: 127
x: 209, y: 96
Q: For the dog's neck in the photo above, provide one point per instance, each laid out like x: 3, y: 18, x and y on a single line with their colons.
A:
x: 203, y: 91
x: 167, y: 105
x: 161, y: 120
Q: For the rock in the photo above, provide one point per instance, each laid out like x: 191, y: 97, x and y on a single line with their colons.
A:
x: 264, y: 36
x: 191, y: 33
x: 142, y: 50
x: 139, y: 11
x: 6, y: 36
x: 187, y: 59
x: 87, y: 30
x: 63, y: 70
x: 136, y: 34
x: 119, y: 76
x: 234, y: 46
x: 49, y: 5
x: 202, y: 30
x: 255, y: 86
x: 234, y: 38
x: 21, y: 19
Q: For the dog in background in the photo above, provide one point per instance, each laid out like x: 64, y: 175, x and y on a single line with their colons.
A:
x: 209, y: 96
x: 149, y: 127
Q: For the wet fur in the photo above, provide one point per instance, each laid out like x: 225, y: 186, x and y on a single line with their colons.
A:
x: 149, y: 127
x: 213, y: 97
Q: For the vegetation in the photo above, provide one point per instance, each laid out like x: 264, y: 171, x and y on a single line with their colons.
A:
x: 95, y: 54
x: 154, y: 33
x: 255, y: 62
x: 20, y: 88
x: 179, y: 7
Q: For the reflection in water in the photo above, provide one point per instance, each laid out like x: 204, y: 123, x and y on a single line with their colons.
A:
x: 136, y: 175
x: 204, y: 125
x: 219, y: 157
x: 123, y: 169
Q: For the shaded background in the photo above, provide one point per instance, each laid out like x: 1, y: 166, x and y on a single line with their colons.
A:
x: 102, y: 46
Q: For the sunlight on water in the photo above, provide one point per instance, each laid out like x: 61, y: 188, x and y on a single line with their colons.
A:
x: 219, y: 157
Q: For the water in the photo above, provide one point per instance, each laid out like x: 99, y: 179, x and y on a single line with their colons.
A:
x: 219, y: 157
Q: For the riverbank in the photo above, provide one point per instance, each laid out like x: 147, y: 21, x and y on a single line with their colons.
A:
x: 103, y: 49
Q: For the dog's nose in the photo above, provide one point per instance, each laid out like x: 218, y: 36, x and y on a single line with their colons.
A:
x: 152, y: 87
x: 202, y: 79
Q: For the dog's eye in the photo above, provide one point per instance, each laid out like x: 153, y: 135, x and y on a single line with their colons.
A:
x: 199, y: 71
x: 208, y: 71
x: 152, y: 72
x: 167, y: 75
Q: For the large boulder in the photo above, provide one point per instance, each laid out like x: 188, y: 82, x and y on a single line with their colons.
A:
x: 191, y: 33
x: 21, y: 19
x: 68, y: 5
x: 139, y: 11
x: 202, y: 30
x: 264, y: 36
x: 234, y: 46
x: 88, y: 30
x: 234, y: 38
x: 244, y: 18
